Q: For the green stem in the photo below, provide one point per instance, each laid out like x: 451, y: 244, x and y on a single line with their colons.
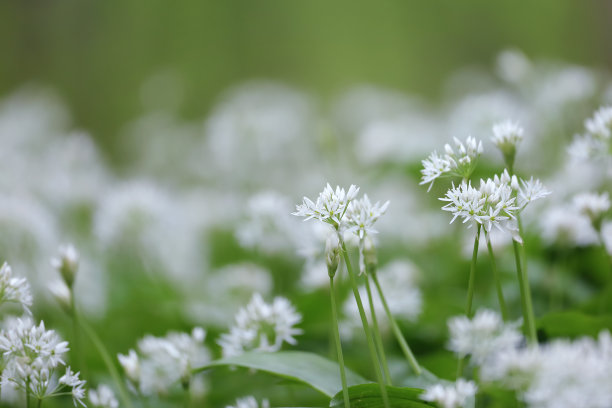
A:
x: 500, y: 293
x: 336, y: 331
x: 470, y: 297
x: 396, y: 330
x: 521, y: 271
x: 76, y: 340
x: 108, y: 362
x: 27, y: 393
x: 39, y: 403
x: 377, y: 335
x: 366, y: 326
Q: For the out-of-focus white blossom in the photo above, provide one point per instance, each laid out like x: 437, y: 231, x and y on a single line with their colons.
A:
x: 67, y: 264
x: 261, y: 327
x: 361, y: 216
x: 507, y: 135
x: 564, y: 225
x: 14, y: 290
x: 249, y: 402
x: 455, y: 395
x: 103, y: 397
x: 482, y: 336
x: 163, y: 362
x: 593, y: 205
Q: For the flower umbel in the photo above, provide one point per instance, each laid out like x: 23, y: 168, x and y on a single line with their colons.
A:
x: 330, y: 206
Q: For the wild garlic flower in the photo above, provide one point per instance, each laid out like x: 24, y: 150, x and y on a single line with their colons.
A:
x: 459, y: 161
x: 594, y: 206
x: 455, y: 395
x: 249, y: 402
x: 558, y: 374
x: 506, y: 136
x: 32, y: 355
x: 261, y: 327
x: 600, y: 125
x: 162, y: 362
x: 361, y: 216
x: 103, y: 397
x: 330, y: 206
x: 67, y: 264
x: 14, y: 290
x: 529, y: 191
x: 482, y: 336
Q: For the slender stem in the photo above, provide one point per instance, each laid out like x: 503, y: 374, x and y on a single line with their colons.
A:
x: 76, y: 338
x: 108, y: 362
x: 39, y: 404
x: 470, y: 297
x: 187, y: 395
x: 500, y: 293
x: 366, y: 326
x: 336, y: 331
x: 521, y: 271
x: 377, y: 335
x: 27, y: 393
x: 396, y: 330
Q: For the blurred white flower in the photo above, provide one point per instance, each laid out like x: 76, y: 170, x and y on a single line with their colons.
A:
x: 261, y: 327
x: 482, y: 336
x: 249, y: 402
x: 103, y: 397
x: 600, y: 125
x: 67, y: 264
x: 593, y: 205
x: 507, y: 135
x: 455, y: 395
x: 563, y: 224
x: 15, y: 290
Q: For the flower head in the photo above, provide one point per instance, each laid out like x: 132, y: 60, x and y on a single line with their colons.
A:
x: 103, y: 397
x: 594, y: 206
x: 506, y: 136
x: 455, y: 395
x: 67, y: 264
x: 361, y: 216
x: 330, y: 207
x: 15, y: 290
x: 600, y: 125
x: 249, y: 402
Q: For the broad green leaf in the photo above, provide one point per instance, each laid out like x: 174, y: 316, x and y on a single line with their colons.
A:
x: 311, y: 369
x: 368, y: 396
x: 573, y: 324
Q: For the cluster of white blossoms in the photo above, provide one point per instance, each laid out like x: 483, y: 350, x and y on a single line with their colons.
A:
x: 14, y: 290
x: 361, y: 216
x: 459, y: 163
x: 103, y: 397
x: 495, y: 203
x: 162, y: 362
x: 507, y: 134
x: 482, y: 336
x: 455, y: 395
x: 559, y: 374
x: 330, y: 206
x: 592, y: 205
x: 596, y: 141
x: 249, y: 402
x: 261, y: 327
x: 32, y: 357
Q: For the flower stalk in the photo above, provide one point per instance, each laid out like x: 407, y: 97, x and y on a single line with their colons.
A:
x: 498, y: 286
x: 336, y: 331
x: 377, y: 335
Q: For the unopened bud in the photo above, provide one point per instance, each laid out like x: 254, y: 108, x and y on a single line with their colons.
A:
x: 332, y: 254
x: 67, y: 264
x: 131, y: 365
x: 369, y: 255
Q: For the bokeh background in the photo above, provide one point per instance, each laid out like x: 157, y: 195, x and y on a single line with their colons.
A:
x: 170, y: 141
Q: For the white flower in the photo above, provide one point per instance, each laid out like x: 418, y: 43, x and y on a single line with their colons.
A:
x: 592, y: 205
x: 67, y: 264
x: 530, y: 191
x: 61, y: 293
x: 103, y: 397
x: 600, y: 124
x: 565, y: 225
x: 261, y: 327
x: 460, y: 161
x: 72, y: 380
x: 455, y: 395
x: 15, y: 290
x: 506, y: 135
x: 482, y: 336
x: 249, y: 402
x: 361, y: 216
x: 330, y: 206
x: 164, y: 361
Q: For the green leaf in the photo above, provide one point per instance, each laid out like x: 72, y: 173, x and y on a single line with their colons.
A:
x: 311, y: 369
x: 368, y: 396
x: 573, y: 324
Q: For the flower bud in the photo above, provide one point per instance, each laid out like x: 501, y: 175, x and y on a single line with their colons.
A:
x: 62, y: 294
x: 67, y: 264
x: 131, y: 365
x: 332, y: 254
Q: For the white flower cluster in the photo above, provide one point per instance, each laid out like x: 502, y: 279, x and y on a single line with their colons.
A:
x: 161, y: 362
x: 596, y: 141
x: 361, y: 216
x: 330, y: 206
x: 249, y: 402
x: 460, y: 163
x: 456, y: 395
x: 483, y: 336
x: 32, y: 356
x: 593, y: 205
x: 506, y: 136
x: 559, y: 374
x: 495, y: 203
x: 103, y: 397
x: 16, y: 290
x: 261, y: 327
